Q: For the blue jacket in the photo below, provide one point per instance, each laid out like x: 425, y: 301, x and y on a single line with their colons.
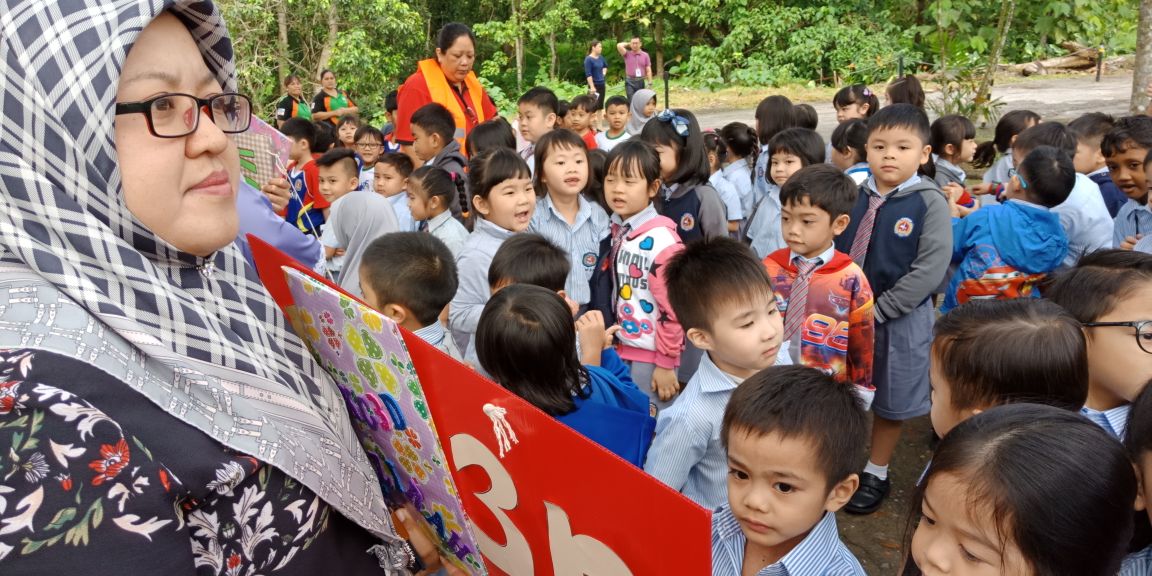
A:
x: 616, y: 414
x: 1003, y: 252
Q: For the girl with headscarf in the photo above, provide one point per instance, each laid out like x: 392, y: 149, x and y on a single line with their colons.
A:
x: 163, y: 418
x: 643, y: 109
x: 358, y: 219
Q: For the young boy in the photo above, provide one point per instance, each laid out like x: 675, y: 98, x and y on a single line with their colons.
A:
x: 1089, y: 130
x: 1125, y: 147
x: 339, y: 175
x: 617, y: 112
x: 536, y: 115
x: 306, y: 208
x: 901, y: 236
x: 1083, y: 215
x: 391, y: 103
x: 1004, y: 251
x: 434, y: 143
x: 723, y: 298
x: 369, y: 145
x: 410, y: 277
x: 581, y: 113
x: 793, y: 437
x: 825, y: 298
x: 790, y: 150
x: 390, y: 180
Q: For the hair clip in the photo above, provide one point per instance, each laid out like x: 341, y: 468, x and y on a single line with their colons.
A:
x: 867, y: 93
x: 679, y: 122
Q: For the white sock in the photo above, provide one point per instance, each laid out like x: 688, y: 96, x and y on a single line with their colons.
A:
x: 880, y: 472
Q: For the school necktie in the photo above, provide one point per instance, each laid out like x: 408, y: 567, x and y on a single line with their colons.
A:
x: 528, y: 152
x: 798, y: 299
x: 619, y: 232
x: 423, y: 226
x: 864, y: 231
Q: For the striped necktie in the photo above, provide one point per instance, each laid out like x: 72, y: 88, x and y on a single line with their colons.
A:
x: 864, y: 231
x: 796, y: 313
x: 423, y: 226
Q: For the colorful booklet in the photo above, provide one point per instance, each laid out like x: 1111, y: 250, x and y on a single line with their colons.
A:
x: 365, y: 354
x: 263, y: 153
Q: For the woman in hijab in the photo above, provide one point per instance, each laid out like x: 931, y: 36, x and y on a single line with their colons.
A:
x: 358, y: 219
x: 163, y: 420
x: 643, y: 109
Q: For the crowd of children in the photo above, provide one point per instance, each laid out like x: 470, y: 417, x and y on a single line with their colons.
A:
x: 722, y: 308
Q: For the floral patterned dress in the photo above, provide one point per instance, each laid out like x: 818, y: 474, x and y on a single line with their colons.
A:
x: 96, y: 479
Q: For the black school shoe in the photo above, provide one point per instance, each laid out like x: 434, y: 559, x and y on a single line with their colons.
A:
x: 869, y: 496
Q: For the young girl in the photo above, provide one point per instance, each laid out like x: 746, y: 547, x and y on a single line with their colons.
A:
x: 855, y: 102
x: 740, y: 140
x: 849, y: 149
x: 503, y: 199
x: 643, y: 108
x: 430, y: 191
x: 346, y: 131
x: 563, y: 215
x: 774, y: 114
x: 490, y: 134
x: 906, y: 90
x: 1110, y: 293
x: 1007, y: 129
x: 628, y: 284
x: 597, y: 162
x: 977, y: 364
x: 953, y: 140
x: 791, y: 150
x: 1024, y: 490
x: 686, y: 197
x: 717, y: 155
x: 526, y: 340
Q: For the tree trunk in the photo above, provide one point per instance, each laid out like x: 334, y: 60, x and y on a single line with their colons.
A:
x: 330, y: 39
x: 1007, y: 11
x: 554, y: 59
x: 1143, y: 69
x: 519, y: 45
x: 282, y: 40
x: 658, y: 40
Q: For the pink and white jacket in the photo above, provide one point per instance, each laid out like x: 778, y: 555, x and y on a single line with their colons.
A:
x: 649, y: 330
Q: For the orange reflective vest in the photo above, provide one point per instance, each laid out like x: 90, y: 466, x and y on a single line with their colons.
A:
x: 443, y: 94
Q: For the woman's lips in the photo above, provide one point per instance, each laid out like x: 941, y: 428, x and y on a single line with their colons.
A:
x: 216, y: 184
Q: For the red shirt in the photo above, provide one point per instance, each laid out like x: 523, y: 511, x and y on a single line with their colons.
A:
x: 312, y: 181
x: 414, y: 94
x: 590, y: 139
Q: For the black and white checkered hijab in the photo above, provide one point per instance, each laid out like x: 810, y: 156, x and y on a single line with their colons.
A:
x: 64, y: 227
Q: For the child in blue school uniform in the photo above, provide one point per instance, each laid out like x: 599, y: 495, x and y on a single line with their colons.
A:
x: 686, y: 197
x: 900, y: 233
x: 526, y: 340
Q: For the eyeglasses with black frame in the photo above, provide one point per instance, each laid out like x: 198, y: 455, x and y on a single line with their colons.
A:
x: 176, y: 115
x: 1143, y: 331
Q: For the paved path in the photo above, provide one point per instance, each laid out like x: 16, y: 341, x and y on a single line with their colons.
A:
x: 1053, y: 98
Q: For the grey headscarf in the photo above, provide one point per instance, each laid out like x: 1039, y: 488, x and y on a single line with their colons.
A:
x: 360, y: 218
x: 637, y: 120
x: 200, y: 337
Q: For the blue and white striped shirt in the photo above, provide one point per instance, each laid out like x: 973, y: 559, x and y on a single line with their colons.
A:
x: 1114, y: 421
x: 436, y: 335
x: 820, y: 553
x: 687, y: 454
x: 1137, y: 563
x: 581, y: 240
x: 1132, y: 219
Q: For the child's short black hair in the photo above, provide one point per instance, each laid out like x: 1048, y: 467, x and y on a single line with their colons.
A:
x: 1099, y: 282
x: 953, y: 129
x: 859, y: 94
x: 1091, y: 128
x: 542, y: 98
x: 413, y: 269
x: 529, y: 259
x: 806, y: 116
x: 1010, y: 125
x: 401, y: 162
x: 550, y: 144
x: 369, y: 131
x: 434, y: 118
x: 562, y: 109
x: 1050, y: 175
x: 348, y: 119
x: 585, y: 102
x: 300, y: 129
x: 490, y: 134
x: 634, y: 158
x: 773, y: 114
x: 435, y: 181
x: 326, y: 136
x: 852, y: 134
x: 597, y: 164
x: 391, y: 101
x: 906, y: 90
x: 344, y: 157
x: 802, y: 142
x: 994, y: 352
x: 825, y: 187
x: 1052, y: 134
x: 1128, y: 132
x: 488, y: 170
x: 616, y: 101
x: 904, y: 117
x: 712, y: 273
x: 802, y: 403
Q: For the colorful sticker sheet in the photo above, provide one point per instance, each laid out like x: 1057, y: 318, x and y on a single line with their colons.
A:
x: 263, y: 153
x: 366, y: 355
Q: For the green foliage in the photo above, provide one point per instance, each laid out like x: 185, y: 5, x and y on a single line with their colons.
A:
x: 958, y: 95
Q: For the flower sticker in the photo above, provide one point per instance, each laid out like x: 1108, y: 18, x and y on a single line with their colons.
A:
x: 113, y: 459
